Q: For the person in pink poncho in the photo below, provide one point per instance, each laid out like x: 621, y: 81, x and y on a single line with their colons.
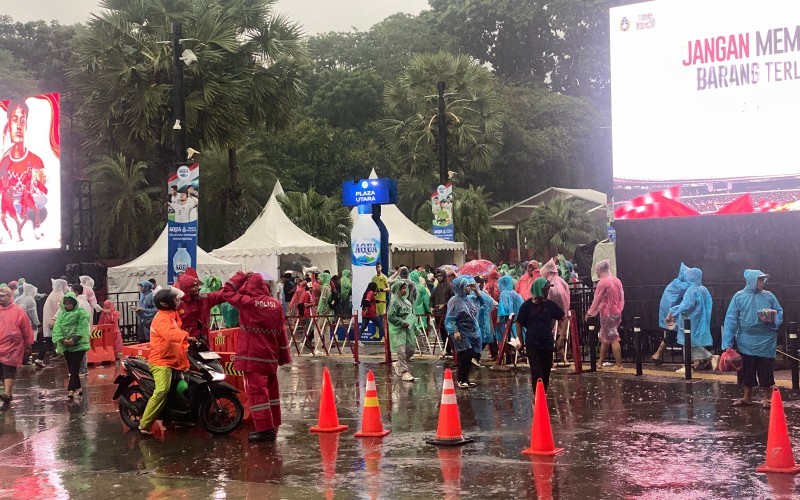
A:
x: 559, y: 293
x: 110, y: 316
x: 16, y: 335
x: 609, y: 300
x: 526, y: 281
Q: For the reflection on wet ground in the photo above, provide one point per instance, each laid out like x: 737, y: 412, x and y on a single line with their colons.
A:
x: 625, y: 437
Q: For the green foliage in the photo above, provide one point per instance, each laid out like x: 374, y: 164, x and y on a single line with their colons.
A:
x: 347, y: 99
x: 471, y: 219
x: 126, y: 214
x: 318, y: 215
x: 16, y: 80
x: 256, y: 178
x: 474, y: 114
x: 559, y: 226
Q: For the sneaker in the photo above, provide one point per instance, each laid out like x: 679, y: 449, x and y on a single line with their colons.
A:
x: 397, y: 369
x: 463, y: 385
x: 146, y: 432
x: 608, y: 363
x: 476, y: 363
x: 682, y: 369
x: 471, y: 384
x: 407, y: 377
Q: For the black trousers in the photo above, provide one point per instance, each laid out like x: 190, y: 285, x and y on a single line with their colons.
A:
x: 74, y: 366
x: 464, y: 364
x: 541, y: 363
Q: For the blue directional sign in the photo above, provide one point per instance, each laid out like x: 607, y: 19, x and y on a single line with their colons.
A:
x: 369, y: 192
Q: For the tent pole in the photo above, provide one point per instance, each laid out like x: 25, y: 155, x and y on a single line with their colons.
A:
x: 479, y: 246
x: 519, y: 248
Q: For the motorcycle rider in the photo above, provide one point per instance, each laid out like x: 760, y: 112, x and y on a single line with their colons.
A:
x: 261, y: 346
x: 168, y: 346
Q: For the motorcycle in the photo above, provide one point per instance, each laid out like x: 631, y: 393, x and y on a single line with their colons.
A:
x: 208, y: 400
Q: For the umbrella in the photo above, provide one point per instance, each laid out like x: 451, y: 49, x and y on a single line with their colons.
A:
x: 479, y: 267
x: 450, y: 267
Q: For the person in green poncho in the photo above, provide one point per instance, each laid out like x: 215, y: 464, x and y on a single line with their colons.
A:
x: 71, y: 338
x: 347, y: 291
x: 402, y: 338
x: 422, y: 303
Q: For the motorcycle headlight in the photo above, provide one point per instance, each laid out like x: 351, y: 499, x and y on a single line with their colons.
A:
x: 217, y: 376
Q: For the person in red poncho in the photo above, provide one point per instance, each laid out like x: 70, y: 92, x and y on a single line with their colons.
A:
x: 526, y: 280
x: 15, y: 335
x: 195, y: 309
x: 261, y: 346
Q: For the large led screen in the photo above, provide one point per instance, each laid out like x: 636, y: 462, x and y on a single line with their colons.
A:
x: 706, y: 97
x: 30, y: 174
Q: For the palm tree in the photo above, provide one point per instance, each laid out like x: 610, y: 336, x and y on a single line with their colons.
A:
x: 471, y: 219
x: 218, y: 224
x: 321, y: 216
x: 473, y: 113
x: 559, y: 225
x: 246, y: 79
x: 125, y: 207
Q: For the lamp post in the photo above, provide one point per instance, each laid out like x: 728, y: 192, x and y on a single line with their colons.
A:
x: 177, y: 94
x: 442, y: 135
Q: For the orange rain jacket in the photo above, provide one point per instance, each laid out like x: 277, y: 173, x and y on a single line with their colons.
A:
x: 168, y: 343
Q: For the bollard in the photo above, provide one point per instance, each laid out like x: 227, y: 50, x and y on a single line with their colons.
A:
x: 637, y: 344
x: 575, y: 341
x: 792, y: 347
x: 687, y: 349
x: 592, y: 323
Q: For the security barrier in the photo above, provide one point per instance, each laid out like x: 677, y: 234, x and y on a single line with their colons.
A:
x: 223, y: 340
x: 101, y: 342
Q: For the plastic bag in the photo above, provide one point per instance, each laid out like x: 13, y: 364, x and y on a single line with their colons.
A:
x: 730, y: 361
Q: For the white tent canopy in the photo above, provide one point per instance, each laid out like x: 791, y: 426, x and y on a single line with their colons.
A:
x: 153, y: 264
x: 407, y: 240
x: 273, y: 235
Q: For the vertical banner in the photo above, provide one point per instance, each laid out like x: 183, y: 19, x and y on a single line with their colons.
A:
x: 365, y: 254
x: 442, y: 208
x: 183, y: 190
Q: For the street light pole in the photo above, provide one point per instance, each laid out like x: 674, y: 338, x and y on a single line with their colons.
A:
x: 442, y: 136
x: 177, y: 93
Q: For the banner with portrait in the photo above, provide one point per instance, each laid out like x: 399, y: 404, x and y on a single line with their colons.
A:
x: 183, y: 197
x: 442, y: 208
x: 30, y: 174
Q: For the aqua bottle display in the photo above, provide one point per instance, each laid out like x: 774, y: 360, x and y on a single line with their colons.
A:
x: 181, y: 260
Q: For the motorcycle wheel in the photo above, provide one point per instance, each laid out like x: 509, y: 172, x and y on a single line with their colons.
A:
x: 134, y: 395
x: 221, y: 413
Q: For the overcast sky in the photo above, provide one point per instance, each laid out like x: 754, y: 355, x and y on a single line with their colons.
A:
x: 315, y: 15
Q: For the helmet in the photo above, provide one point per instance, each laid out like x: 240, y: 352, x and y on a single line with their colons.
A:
x: 167, y: 298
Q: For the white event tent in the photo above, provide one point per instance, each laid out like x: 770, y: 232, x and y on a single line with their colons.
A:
x: 273, y: 243
x: 153, y: 264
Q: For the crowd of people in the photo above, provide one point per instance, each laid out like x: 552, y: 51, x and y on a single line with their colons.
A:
x: 473, y: 311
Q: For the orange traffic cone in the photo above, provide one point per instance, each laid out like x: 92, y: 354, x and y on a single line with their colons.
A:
x: 371, y: 416
x: 541, y: 434
x: 328, y: 418
x: 779, y: 447
x: 448, y: 433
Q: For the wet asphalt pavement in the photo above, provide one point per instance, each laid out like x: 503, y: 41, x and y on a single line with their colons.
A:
x: 625, y: 437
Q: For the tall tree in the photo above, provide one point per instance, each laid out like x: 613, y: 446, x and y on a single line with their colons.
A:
x: 246, y: 78
x: 471, y: 214
x: 473, y: 113
x: 125, y: 208
x: 320, y: 216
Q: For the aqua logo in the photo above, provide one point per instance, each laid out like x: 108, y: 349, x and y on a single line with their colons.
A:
x: 365, y: 252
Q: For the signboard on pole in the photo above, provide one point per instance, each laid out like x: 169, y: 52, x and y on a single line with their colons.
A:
x: 183, y: 191
x: 442, y: 208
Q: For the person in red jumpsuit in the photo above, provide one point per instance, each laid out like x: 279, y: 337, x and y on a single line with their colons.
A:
x: 7, y: 207
x: 261, y: 346
x: 195, y: 308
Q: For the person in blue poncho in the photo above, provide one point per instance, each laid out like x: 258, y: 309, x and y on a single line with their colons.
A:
x: 487, y: 305
x: 145, y: 310
x: 752, y: 323
x: 672, y: 296
x: 696, y: 306
x: 461, y: 323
